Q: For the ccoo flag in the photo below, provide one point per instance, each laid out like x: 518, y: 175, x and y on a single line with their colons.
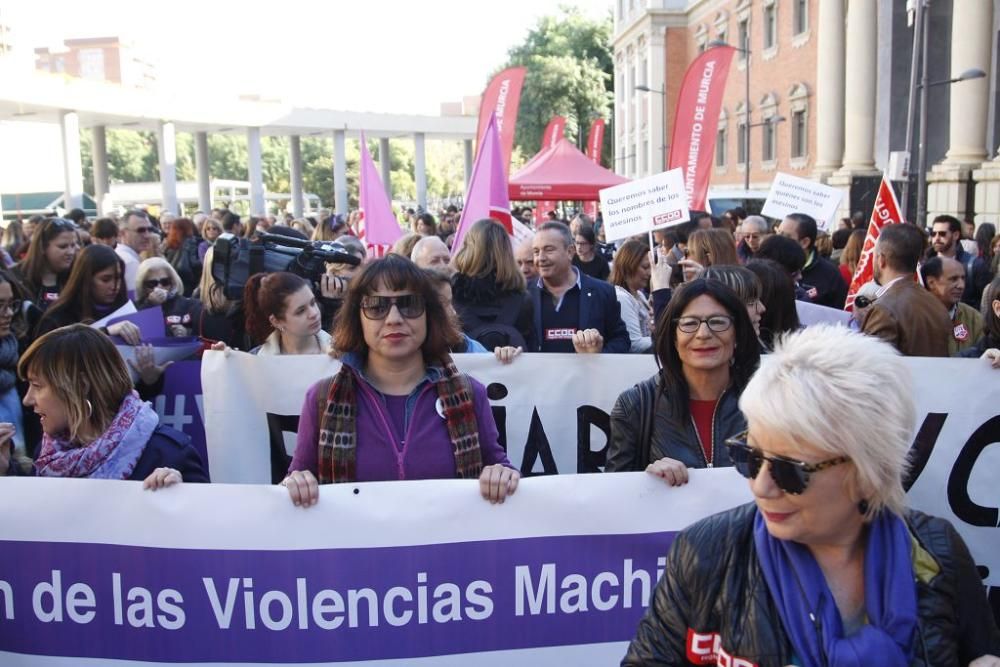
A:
x: 886, y: 212
x: 696, y: 121
x: 501, y: 99
x: 378, y: 226
x: 487, y: 195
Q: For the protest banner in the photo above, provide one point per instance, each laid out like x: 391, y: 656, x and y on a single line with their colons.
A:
x: 553, y: 415
x: 885, y: 212
x: 791, y: 194
x: 500, y: 101
x: 403, y: 573
x: 638, y: 207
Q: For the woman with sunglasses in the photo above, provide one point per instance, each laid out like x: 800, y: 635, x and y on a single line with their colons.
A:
x: 827, y: 566
x: 282, y: 315
x: 398, y: 408
x: 45, y: 269
x: 157, y: 283
x: 707, y: 350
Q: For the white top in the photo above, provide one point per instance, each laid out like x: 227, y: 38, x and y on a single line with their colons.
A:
x: 272, y: 346
x: 132, y: 261
x: 635, y: 315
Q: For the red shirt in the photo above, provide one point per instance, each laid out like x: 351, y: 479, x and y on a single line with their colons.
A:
x: 702, y: 413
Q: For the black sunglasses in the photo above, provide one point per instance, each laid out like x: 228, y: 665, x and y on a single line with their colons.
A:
x: 789, y: 475
x: 165, y: 283
x: 410, y: 306
x: 863, y: 301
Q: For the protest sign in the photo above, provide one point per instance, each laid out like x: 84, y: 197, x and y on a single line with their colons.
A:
x: 791, y: 194
x: 638, y: 207
x: 126, y: 309
x: 405, y: 573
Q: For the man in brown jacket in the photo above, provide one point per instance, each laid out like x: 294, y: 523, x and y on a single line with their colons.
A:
x: 905, y: 314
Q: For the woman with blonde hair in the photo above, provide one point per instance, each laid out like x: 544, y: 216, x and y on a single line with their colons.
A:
x: 488, y: 288
x: 709, y: 247
x: 404, y: 244
x: 630, y: 275
x: 211, y: 229
x: 221, y: 317
x: 158, y: 284
x: 852, y: 254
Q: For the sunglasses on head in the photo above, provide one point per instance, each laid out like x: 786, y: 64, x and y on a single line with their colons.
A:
x: 410, y: 306
x: 863, y: 301
x: 789, y: 475
x: 165, y: 283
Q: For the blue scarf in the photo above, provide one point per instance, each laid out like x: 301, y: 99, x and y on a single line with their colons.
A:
x: 799, y: 590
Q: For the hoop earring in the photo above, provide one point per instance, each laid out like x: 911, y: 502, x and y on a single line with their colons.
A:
x: 90, y: 408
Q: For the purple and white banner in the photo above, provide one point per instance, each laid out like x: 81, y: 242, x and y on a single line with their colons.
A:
x: 400, y: 573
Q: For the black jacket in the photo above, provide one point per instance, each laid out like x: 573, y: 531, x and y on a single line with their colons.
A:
x: 831, y: 290
x: 713, y: 584
x: 599, y: 309
x: 479, y: 303
x: 669, y: 436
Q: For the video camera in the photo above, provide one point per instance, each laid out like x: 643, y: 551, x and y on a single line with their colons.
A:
x: 236, y: 259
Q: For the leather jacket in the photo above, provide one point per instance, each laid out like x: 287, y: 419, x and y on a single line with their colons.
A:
x: 670, y: 436
x: 713, y: 598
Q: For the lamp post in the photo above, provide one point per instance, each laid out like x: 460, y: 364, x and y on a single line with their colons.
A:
x: 746, y: 100
x: 646, y: 89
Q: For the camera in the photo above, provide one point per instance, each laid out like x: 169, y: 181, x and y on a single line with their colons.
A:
x: 236, y: 259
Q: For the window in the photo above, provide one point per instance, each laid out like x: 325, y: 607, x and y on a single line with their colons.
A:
x: 770, y: 27
x: 800, y: 20
x: 799, y: 134
x: 720, y: 148
x: 744, y: 37
x: 768, y: 147
x: 741, y: 142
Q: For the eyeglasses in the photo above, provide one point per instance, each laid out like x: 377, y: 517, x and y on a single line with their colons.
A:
x: 14, y: 306
x: 410, y: 306
x: 143, y: 230
x: 789, y: 475
x: 716, y: 323
x: 165, y: 283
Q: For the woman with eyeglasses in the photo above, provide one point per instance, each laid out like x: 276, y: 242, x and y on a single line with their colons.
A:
x: 45, y: 269
x: 158, y: 284
x: 282, y: 315
x: 587, y: 259
x: 707, y: 350
x: 827, y: 566
x: 398, y: 408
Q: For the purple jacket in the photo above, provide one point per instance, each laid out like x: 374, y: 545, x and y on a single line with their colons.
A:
x: 427, y: 452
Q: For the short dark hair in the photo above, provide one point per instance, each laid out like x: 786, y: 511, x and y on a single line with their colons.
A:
x: 840, y: 238
x: 991, y: 322
x: 777, y: 293
x: 230, y: 220
x: 783, y: 250
x: 104, y: 228
x: 77, y: 215
x: 586, y: 230
x: 805, y: 227
x: 901, y: 245
x: 932, y: 268
x: 561, y: 227
x: 746, y: 355
x: 954, y: 225
x: 395, y: 272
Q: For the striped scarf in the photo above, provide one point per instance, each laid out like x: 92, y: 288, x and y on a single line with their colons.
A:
x: 338, y: 426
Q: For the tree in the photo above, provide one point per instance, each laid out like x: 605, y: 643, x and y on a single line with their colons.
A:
x: 569, y: 73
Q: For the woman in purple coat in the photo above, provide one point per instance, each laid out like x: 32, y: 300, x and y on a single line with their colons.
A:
x: 398, y: 408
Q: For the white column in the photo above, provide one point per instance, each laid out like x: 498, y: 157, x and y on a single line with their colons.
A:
x: 255, y: 172
x: 166, y: 149
x: 72, y: 166
x: 99, y: 151
x: 830, y: 87
x: 201, y: 161
x: 385, y: 163
x: 657, y: 109
x: 860, y: 78
x: 467, y: 156
x: 971, y: 46
x: 340, y: 171
x: 420, y: 169
x: 295, y: 175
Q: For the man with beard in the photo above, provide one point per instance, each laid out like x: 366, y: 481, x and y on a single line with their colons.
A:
x: 946, y: 235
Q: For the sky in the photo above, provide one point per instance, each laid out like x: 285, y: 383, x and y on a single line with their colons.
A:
x: 391, y: 56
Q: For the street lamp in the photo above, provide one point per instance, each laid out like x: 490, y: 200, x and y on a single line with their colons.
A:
x: 746, y: 100
x: 646, y: 89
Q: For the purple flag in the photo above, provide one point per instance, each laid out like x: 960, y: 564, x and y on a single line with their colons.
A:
x: 378, y: 225
x: 487, y: 196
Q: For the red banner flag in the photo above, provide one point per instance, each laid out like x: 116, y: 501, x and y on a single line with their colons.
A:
x: 555, y: 131
x: 696, y: 121
x: 886, y: 212
x: 501, y: 97
x: 595, y: 146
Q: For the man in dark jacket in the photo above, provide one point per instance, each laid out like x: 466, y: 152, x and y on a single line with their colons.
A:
x: 820, y: 273
x: 573, y: 312
x: 946, y: 235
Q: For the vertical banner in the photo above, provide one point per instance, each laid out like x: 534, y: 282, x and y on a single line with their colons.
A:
x: 886, y: 212
x: 501, y: 97
x: 487, y: 196
x: 595, y: 145
x: 696, y: 121
x: 553, y: 133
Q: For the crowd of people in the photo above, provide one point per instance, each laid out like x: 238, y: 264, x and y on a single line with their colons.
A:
x: 849, y: 569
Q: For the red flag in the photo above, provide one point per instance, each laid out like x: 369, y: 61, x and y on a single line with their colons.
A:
x: 501, y: 97
x: 886, y: 212
x: 595, y: 145
x: 553, y: 133
x: 696, y: 121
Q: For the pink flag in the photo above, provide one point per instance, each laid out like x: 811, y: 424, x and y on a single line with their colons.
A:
x: 487, y: 195
x: 553, y: 133
x: 377, y: 225
x: 696, y: 121
x: 886, y: 212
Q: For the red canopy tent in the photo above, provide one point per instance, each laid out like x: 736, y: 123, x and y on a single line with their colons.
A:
x: 561, y: 173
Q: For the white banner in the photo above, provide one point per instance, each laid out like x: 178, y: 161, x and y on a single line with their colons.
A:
x: 792, y: 194
x: 552, y: 411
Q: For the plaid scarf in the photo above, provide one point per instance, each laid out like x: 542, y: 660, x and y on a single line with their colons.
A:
x: 338, y: 425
